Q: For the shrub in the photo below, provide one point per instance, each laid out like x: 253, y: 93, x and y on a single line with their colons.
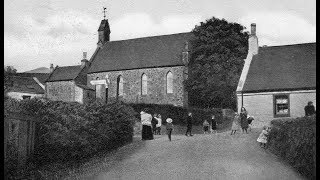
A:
x: 295, y: 141
x: 179, y: 114
x: 73, y: 131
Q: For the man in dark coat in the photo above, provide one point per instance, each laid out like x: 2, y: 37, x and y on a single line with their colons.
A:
x: 189, y: 124
x: 309, y: 109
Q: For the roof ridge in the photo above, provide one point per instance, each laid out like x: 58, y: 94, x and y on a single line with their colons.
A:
x: 149, y: 37
x: 287, y: 45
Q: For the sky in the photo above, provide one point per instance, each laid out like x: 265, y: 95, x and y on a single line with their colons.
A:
x: 38, y: 33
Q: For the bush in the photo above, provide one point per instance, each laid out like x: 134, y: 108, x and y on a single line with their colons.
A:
x: 295, y: 141
x: 73, y: 131
x: 179, y: 114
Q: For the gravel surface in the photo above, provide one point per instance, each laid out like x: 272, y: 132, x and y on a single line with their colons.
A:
x: 202, y: 156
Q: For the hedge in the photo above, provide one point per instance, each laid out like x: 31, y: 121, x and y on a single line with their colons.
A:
x: 294, y: 140
x: 179, y: 114
x: 73, y: 131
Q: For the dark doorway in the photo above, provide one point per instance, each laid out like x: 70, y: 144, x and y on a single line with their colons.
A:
x: 106, y: 95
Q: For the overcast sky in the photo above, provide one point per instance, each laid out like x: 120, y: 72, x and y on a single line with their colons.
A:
x: 40, y: 32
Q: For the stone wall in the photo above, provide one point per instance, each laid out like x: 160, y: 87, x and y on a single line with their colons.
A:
x: 60, y: 91
x: 156, y: 85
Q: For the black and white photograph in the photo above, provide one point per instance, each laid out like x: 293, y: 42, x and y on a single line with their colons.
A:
x: 159, y: 89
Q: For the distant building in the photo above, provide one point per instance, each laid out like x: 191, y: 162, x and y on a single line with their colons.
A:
x: 25, y: 88
x: 69, y: 83
x: 277, y: 81
x: 142, y: 70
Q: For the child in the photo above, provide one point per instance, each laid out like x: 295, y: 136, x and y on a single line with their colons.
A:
x: 169, y: 128
x: 262, y: 139
x: 158, y: 126
x: 250, y: 119
x: 154, y: 124
x: 235, y: 123
x: 205, y: 127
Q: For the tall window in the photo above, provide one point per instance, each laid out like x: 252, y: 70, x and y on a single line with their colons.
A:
x: 119, y: 86
x: 169, y: 82
x: 281, y: 105
x: 144, y: 84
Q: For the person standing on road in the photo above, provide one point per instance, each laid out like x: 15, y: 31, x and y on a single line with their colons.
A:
x: 213, y: 124
x: 154, y: 124
x: 244, y: 121
x: 189, y: 124
x: 146, y: 119
x: 169, y: 127
x: 205, y: 126
x: 309, y: 109
x: 235, y: 123
x: 158, y: 126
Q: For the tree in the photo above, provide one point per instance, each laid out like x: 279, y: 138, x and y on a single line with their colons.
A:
x: 216, y: 61
x: 8, y: 71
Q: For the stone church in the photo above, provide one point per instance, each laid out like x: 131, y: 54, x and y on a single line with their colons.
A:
x: 142, y: 70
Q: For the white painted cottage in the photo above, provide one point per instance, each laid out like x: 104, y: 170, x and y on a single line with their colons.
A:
x: 277, y: 81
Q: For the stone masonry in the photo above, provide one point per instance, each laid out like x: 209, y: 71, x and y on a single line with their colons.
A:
x: 156, y: 85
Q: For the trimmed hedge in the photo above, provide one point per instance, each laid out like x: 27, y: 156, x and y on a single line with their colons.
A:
x: 73, y: 131
x: 294, y: 140
x: 179, y: 114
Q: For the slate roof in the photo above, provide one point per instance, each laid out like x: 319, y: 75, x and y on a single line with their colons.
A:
x: 289, y: 67
x: 65, y: 73
x: 25, y: 84
x: 156, y: 51
x: 42, y: 77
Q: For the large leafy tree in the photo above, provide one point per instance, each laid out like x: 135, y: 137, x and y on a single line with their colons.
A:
x: 8, y: 71
x: 217, y: 58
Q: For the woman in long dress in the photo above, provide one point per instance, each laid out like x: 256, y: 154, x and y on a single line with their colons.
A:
x: 146, y: 118
x: 244, y: 121
x: 235, y: 123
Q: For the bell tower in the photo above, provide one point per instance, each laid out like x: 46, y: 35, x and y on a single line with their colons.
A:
x: 104, y: 30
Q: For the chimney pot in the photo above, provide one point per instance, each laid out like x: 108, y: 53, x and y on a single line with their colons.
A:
x: 51, y: 68
x: 253, y: 29
x: 84, y: 55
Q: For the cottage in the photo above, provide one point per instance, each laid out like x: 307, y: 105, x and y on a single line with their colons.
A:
x: 277, y: 81
x: 25, y: 87
x: 69, y: 83
x: 142, y: 70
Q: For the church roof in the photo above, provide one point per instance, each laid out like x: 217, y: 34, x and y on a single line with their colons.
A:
x: 25, y: 84
x: 65, y: 73
x: 156, y: 51
x: 289, y: 67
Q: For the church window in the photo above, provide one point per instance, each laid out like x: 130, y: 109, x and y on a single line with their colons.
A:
x: 144, y: 84
x: 119, y: 86
x: 169, y: 82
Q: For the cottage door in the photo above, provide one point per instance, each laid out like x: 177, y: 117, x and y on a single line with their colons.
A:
x: 106, y: 95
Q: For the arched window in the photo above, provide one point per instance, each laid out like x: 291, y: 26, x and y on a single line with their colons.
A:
x: 119, y: 86
x: 169, y: 82
x: 144, y: 84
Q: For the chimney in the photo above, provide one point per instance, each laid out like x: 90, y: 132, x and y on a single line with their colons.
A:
x: 84, y: 61
x: 104, y: 33
x: 253, y: 41
x: 51, y: 68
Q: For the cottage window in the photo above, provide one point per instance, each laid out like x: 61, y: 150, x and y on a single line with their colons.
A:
x: 281, y: 105
x: 169, y: 82
x: 119, y: 86
x: 144, y: 84
x: 26, y: 97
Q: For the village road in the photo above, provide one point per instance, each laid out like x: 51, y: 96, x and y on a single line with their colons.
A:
x: 209, y: 156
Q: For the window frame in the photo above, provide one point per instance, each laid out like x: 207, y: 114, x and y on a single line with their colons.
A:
x: 278, y: 96
x: 142, y: 83
x: 167, y: 82
x: 119, y: 80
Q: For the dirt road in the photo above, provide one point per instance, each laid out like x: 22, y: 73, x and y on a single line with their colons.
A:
x: 209, y: 156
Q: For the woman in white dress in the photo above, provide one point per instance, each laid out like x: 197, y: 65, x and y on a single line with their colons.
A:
x: 235, y: 123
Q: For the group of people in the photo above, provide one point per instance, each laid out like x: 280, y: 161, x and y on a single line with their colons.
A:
x: 151, y: 125
x: 210, y: 126
x: 242, y: 120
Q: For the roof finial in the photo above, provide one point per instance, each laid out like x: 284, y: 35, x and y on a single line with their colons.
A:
x: 104, y: 12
